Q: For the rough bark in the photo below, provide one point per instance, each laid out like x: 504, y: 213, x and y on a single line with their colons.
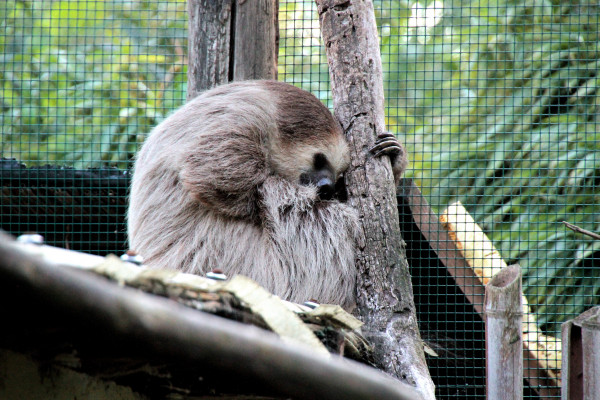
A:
x: 231, y: 40
x: 384, y: 290
x: 208, y: 44
x: 255, y: 40
x: 503, y: 335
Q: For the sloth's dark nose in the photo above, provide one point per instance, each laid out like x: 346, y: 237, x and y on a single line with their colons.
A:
x: 325, y: 188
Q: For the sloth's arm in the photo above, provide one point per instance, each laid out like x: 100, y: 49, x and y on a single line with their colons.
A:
x: 388, y: 144
x: 223, y: 171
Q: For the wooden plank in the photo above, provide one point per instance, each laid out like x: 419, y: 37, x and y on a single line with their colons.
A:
x: 477, y: 248
x: 445, y: 248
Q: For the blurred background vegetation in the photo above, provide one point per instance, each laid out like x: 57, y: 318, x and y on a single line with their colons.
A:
x: 496, y: 100
x: 84, y: 81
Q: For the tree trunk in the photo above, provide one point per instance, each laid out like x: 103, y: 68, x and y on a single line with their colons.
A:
x: 208, y: 44
x: 231, y: 40
x: 256, y: 40
x: 384, y: 290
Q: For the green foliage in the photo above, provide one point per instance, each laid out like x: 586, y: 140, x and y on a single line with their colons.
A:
x: 512, y: 90
x: 83, y: 81
x: 301, y: 58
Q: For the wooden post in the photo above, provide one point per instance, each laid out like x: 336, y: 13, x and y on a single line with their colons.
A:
x: 572, y: 362
x: 581, y: 357
x: 503, y: 335
x: 208, y: 44
x: 256, y: 40
x: 591, y: 357
x: 231, y: 40
x: 384, y: 291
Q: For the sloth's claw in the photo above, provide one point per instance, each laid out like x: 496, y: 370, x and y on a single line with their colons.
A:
x: 386, y: 144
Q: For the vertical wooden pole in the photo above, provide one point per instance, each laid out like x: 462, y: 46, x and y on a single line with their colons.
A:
x: 503, y: 335
x: 231, y: 40
x: 256, y: 40
x: 384, y: 291
x: 209, y: 26
x: 572, y: 362
x: 581, y: 357
x: 590, y: 334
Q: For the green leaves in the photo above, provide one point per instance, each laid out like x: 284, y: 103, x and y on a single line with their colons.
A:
x: 522, y: 149
x: 83, y: 82
x: 498, y: 104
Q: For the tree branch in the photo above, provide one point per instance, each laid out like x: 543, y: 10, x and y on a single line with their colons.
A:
x: 577, y: 229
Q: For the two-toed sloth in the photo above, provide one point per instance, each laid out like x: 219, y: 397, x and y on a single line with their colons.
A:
x: 248, y: 178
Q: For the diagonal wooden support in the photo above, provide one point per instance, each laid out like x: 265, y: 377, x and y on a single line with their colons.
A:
x: 536, y: 370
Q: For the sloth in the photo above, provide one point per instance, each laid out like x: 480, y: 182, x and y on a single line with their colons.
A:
x: 248, y: 178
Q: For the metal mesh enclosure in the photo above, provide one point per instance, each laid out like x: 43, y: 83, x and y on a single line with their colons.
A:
x: 82, y: 83
x: 496, y: 101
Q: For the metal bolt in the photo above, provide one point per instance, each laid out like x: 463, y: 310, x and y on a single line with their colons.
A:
x: 217, y: 275
x: 132, y: 257
x: 311, y: 304
x: 31, y: 238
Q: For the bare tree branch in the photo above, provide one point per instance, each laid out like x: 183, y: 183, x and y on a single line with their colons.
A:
x: 577, y: 229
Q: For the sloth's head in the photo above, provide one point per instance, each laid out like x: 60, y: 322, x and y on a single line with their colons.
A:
x: 310, y: 147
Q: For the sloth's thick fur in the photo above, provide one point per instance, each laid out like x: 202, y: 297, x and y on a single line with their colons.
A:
x: 242, y: 179
x: 217, y: 185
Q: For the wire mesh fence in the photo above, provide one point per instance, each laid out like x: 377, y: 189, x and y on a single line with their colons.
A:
x: 497, y: 103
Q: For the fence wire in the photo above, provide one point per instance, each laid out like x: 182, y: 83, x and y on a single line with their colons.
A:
x: 496, y: 101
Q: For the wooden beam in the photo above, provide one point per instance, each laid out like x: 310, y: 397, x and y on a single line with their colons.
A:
x: 162, y: 329
x: 445, y: 248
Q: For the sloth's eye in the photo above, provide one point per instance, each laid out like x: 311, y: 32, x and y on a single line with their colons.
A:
x: 320, y: 161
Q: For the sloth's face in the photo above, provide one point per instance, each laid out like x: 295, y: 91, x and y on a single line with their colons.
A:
x: 322, y: 176
x: 328, y: 179
x: 320, y: 161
